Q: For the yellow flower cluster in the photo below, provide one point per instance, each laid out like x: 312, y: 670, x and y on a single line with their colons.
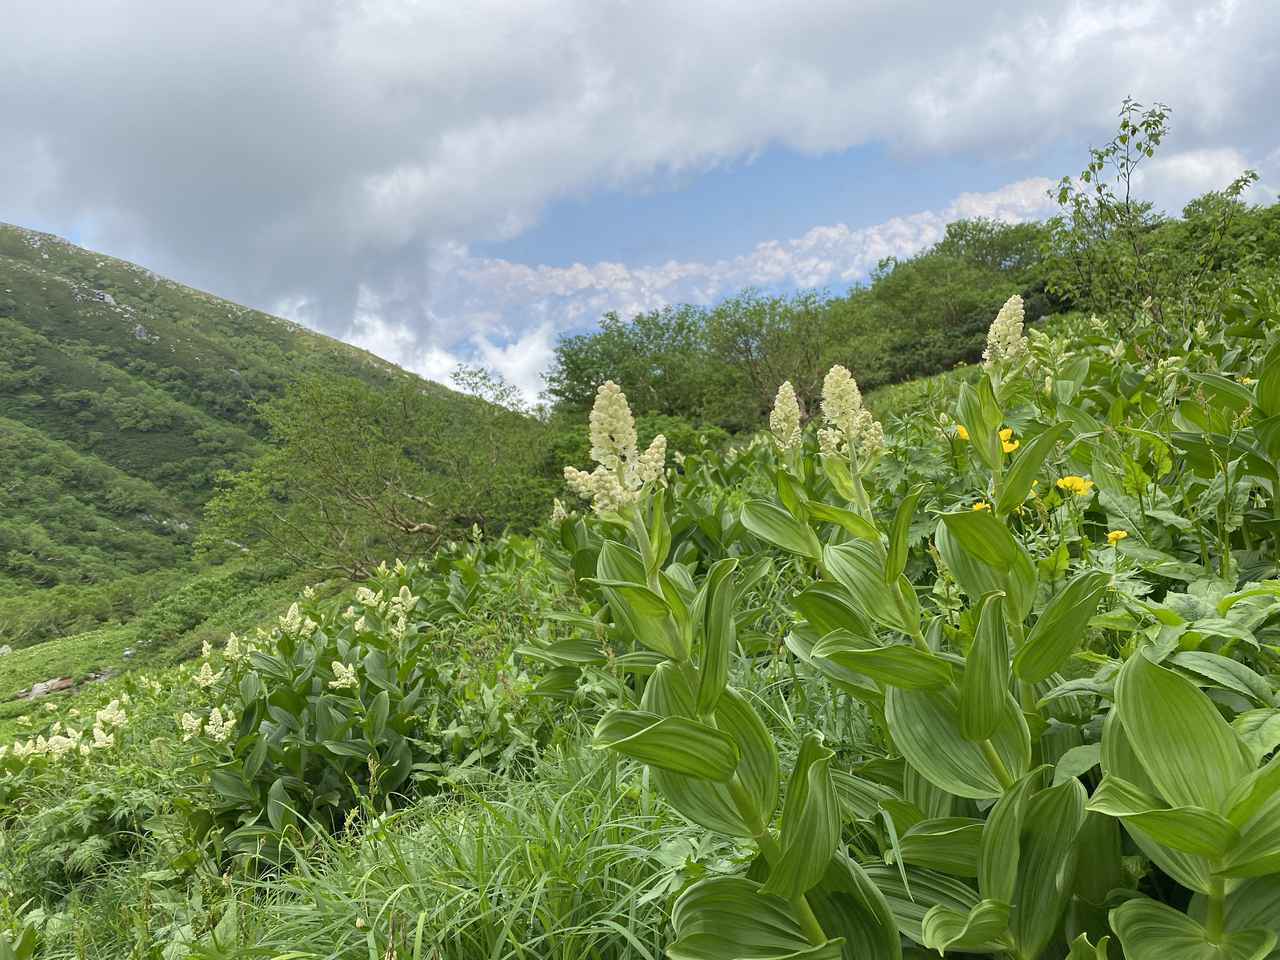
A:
x: 1080, y: 486
x: 1115, y: 536
x: 1007, y: 443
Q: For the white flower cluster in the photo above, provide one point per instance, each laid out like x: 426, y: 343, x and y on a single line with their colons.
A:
x: 206, y: 678
x: 1005, y: 342
x: 622, y: 472
x: 558, y: 512
x: 216, y: 727
x: 63, y: 741
x: 784, y: 419
x: 344, y: 676
x: 294, y: 623
x: 850, y: 428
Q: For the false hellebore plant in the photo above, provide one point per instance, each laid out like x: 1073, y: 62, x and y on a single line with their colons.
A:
x: 1015, y: 812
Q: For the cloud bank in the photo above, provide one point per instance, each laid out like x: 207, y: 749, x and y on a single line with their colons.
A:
x: 338, y: 159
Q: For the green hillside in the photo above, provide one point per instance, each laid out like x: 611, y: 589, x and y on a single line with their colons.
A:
x: 122, y: 395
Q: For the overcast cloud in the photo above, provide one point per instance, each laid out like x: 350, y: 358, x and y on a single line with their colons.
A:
x: 337, y: 161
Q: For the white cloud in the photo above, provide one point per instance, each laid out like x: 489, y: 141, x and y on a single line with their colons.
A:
x: 342, y: 157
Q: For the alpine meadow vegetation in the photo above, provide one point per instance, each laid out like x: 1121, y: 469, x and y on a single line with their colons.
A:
x: 797, y: 663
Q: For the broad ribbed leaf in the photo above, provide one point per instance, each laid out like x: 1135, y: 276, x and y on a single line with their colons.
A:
x: 719, y: 636
x: 1082, y: 949
x: 947, y: 844
x: 1025, y: 467
x: 1189, y: 752
x: 977, y: 409
x: 1046, y: 865
x: 858, y: 566
x: 1000, y: 851
x: 671, y: 743
x: 732, y: 918
x: 896, y: 664
x: 925, y: 725
x: 706, y: 802
x: 810, y: 822
x: 1016, y: 578
x: 770, y: 522
x: 1258, y: 852
x: 1212, y: 669
x: 850, y: 521
x: 1118, y: 758
x: 980, y: 929
x: 984, y: 689
x: 828, y: 607
x: 1060, y: 628
x: 1191, y: 829
x: 850, y: 906
x: 898, y: 546
x: 911, y: 900
x: 1148, y: 930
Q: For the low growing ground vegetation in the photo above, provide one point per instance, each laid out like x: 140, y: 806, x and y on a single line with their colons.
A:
x: 985, y: 663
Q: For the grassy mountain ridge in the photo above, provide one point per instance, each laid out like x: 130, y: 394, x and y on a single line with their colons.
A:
x: 122, y: 395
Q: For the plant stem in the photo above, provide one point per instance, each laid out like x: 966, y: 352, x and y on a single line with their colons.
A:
x: 1215, y: 914
x: 772, y: 854
x: 996, y: 764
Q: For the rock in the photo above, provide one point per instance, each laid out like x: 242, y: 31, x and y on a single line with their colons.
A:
x: 46, y: 687
x: 5, y: 650
x: 139, y: 332
x: 128, y: 653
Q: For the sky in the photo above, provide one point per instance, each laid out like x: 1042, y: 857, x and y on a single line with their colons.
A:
x: 466, y: 182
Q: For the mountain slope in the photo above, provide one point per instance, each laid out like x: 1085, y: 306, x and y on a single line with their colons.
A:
x: 122, y: 394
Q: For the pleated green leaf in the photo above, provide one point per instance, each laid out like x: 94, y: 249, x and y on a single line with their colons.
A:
x: 770, y: 522
x: 947, y: 844
x: 1189, y: 752
x: 854, y: 523
x: 850, y: 906
x: 911, y: 899
x: 1052, y: 819
x: 980, y: 929
x: 810, y: 822
x: 898, y: 546
x: 828, y: 606
x: 706, y: 802
x: 1118, y: 757
x: 1191, y: 829
x: 977, y: 409
x: 858, y: 566
x: 925, y: 725
x: 984, y: 689
x: 985, y: 558
x: 671, y: 743
x: 719, y: 635
x: 1148, y: 930
x: 1000, y: 850
x: 1061, y: 627
x: 896, y: 664
x: 732, y: 918
x: 1025, y: 467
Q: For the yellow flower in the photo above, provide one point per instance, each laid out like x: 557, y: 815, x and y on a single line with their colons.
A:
x: 961, y: 432
x: 1115, y: 536
x: 1248, y: 381
x: 982, y: 505
x: 1007, y: 442
x: 1081, y: 486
